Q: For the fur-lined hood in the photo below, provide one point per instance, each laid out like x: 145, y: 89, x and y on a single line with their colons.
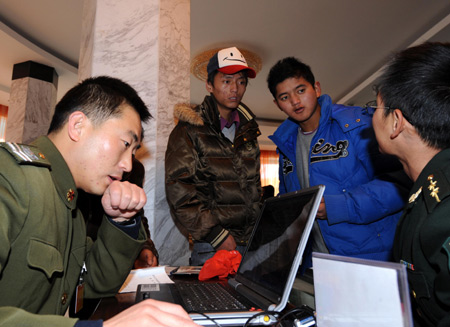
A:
x: 207, y: 113
x: 187, y: 113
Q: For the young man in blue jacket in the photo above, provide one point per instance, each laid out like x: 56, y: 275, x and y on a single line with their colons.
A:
x: 334, y: 145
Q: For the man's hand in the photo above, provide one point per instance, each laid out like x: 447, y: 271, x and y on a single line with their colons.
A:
x: 146, y: 259
x: 322, y: 212
x: 151, y: 313
x: 229, y: 244
x: 123, y: 200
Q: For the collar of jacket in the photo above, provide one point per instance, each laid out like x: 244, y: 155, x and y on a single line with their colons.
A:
x: 434, y: 180
x: 60, y: 172
x: 285, y: 137
x: 344, y: 116
x: 208, y: 112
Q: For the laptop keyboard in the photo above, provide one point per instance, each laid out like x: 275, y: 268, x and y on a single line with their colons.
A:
x: 207, y: 297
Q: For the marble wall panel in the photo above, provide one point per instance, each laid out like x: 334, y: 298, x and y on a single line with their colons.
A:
x: 32, y: 103
x: 145, y: 43
x: 40, y: 106
x: 173, y: 88
x: 16, y: 113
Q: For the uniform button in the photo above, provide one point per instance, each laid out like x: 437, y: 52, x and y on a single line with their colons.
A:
x: 346, y: 125
x: 358, y: 120
x: 41, y: 155
x: 414, y: 294
x: 64, y: 298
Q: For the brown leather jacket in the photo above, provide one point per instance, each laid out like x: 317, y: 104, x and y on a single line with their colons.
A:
x: 213, y: 186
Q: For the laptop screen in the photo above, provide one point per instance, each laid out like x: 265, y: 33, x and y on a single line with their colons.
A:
x: 273, y: 246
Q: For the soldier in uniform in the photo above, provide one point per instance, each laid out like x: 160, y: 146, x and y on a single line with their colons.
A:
x: 412, y: 122
x: 45, y: 257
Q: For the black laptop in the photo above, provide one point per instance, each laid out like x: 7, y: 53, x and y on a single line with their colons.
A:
x: 267, y: 271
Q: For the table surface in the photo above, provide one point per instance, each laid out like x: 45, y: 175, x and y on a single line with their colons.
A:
x: 109, y: 306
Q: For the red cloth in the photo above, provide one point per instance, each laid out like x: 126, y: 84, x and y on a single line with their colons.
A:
x: 222, y: 264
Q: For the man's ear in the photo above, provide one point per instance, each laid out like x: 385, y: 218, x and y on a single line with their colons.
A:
x: 76, y: 122
x: 276, y: 103
x: 209, y: 87
x: 398, y: 123
x: 318, y: 89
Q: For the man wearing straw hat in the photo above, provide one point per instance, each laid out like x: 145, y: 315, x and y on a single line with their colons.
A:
x: 212, y: 161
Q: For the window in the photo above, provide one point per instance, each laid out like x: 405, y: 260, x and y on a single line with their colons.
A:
x: 3, y: 115
x: 269, y: 169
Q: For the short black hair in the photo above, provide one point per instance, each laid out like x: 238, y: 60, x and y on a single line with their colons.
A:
x: 417, y: 82
x: 287, y: 68
x: 99, y: 98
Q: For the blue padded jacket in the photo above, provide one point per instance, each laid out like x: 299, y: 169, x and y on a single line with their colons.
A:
x: 363, y: 203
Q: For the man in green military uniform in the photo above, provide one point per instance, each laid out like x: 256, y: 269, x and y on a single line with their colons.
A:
x: 412, y: 122
x: 44, y: 253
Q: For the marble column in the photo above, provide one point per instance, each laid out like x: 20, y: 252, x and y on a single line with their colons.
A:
x: 32, y: 101
x: 146, y: 44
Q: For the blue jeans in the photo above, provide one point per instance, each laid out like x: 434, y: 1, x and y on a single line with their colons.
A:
x: 204, y: 251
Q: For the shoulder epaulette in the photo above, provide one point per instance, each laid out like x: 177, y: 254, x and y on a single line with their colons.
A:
x: 26, y: 154
x: 436, y: 189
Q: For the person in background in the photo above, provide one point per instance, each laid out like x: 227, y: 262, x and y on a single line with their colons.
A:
x: 91, y: 207
x: 268, y: 191
x: 212, y: 174
x: 92, y: 210
x: 45, y: 256
x: 412, y: 122
x: 334, y: 145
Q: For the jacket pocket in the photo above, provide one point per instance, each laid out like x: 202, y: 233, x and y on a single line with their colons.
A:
x: 419, y: 286
x: 45, y: 257
x: 422, y: 294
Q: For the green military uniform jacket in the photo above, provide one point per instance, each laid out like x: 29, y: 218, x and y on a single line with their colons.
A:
x: 43, y: 242
x: 422, y: 243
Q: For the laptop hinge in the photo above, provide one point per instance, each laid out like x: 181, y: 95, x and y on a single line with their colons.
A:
x: 251, y: 295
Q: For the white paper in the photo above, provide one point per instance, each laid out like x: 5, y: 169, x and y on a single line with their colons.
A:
x: 154, y: 275
x: 350, y: 295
